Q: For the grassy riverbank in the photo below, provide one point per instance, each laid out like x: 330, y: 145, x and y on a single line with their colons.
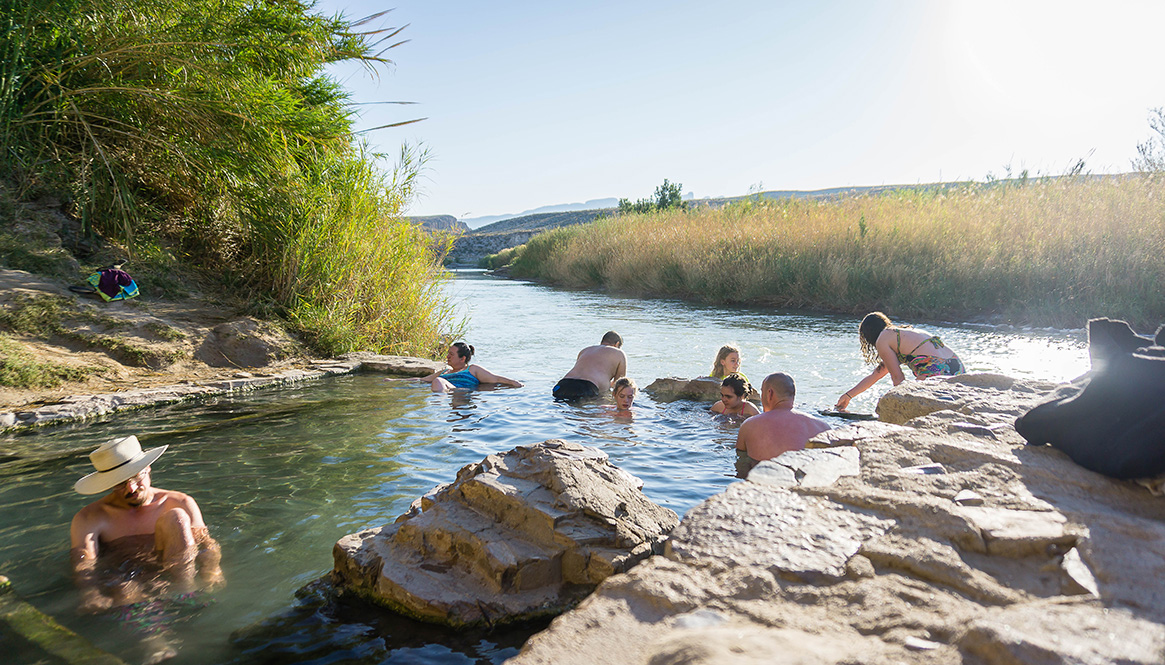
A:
x: 205, y: 136
x: 1051, y: 252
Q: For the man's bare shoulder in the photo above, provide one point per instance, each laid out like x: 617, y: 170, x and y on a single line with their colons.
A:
x: 91, y: 514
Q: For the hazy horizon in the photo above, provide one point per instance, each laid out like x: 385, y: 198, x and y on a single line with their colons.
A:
x: 533, y: 104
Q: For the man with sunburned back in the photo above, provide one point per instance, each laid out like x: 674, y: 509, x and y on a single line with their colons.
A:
x: 595, y: 370
x: 780, y: 428
x: 135, y: 523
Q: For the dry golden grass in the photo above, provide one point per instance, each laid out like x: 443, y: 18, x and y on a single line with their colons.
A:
x: 1053, y: 251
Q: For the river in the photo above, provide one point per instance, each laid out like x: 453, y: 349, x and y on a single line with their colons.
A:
x: 282, y: 474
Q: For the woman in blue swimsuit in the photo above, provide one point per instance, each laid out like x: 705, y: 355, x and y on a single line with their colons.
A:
x: 460, y: 374
x: 885, y: 346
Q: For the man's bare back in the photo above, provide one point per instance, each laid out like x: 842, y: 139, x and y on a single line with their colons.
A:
x: 780, y: 428
x: 771, y: 433
x: 595, y: 370
x: 600, y: 365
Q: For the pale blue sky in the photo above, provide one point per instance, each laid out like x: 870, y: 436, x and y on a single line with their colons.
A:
x: 541, y: 102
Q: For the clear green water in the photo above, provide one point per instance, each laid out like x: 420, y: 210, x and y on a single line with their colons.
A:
x: 281, y: 475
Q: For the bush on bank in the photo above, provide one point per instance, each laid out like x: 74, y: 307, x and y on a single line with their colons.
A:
x: 208, y: 127
x: 1051, y: 252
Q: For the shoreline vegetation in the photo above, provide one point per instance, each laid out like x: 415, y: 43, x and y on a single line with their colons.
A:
x: 204, y: 142
x: 1048, y: 251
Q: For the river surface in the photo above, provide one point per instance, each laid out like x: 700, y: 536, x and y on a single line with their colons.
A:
x: 280, y: 475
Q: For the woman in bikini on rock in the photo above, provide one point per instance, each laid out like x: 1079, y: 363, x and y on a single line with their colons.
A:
x: 888, y: 347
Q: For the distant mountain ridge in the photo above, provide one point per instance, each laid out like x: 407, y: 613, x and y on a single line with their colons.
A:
x: 440, y: 223
x: 593, y: 204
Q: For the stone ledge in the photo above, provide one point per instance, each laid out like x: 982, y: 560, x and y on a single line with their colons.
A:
x: 84, y: 407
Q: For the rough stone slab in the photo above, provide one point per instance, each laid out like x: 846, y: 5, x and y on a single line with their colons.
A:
x: 514, y: 537
x: 1078, y: 579
x: 979, y: 393
x: 771, y: 528
x: 704, y: 389
x: 851, y: 434
x: 807, y: 468
x: 1053, y: 634
x: 401, y: 365
x: 82, y: 407
x: 51, y: 641
x: 1017, y: 533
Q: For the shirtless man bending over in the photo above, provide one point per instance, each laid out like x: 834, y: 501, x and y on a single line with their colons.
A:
x: 134, y: 522
x: 595, y: 370
x: 780, y: 428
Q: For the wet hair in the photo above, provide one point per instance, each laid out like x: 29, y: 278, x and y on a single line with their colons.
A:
x: 463, y: 350
x: 868, y: 331
x: 782, y: 383
x: 612, y: 338
x: 737, y: 383
x: 624, y: 382
x: 718, y: 365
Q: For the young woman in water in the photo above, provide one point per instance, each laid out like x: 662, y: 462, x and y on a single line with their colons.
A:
x: 461, y: 374
x: 733, y: 393
x: 624, y: 394
x: 727, y: 362
x: 888, y: 346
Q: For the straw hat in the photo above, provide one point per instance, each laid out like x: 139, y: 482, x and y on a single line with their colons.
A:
x: 116, y: 462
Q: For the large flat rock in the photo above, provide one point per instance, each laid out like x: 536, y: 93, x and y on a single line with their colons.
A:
x: 514, y: 537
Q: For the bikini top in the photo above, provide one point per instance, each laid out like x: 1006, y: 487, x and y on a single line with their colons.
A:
x: 916, y: 363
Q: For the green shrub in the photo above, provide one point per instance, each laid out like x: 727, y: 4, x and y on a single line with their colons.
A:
x: 208, y: 127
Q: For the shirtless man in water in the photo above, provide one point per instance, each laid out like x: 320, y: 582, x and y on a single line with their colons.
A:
x: 152, y: 528
x: 780, y: 428
x: 595, y: 370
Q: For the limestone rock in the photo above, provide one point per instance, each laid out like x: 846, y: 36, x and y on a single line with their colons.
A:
x: 750, y: 524
x: 1016, y: 533
x: 966, y: 393
x: 1051, y: 634
x: 851, y: 434
x: 515, y: 536
x: 401, y: 365
x: 704, y: 389
x: 807, y: 468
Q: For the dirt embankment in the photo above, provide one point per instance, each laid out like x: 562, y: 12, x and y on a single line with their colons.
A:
x: 55, y: 343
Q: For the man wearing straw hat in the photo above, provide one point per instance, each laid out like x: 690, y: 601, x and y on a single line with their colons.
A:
x: 140, y: 522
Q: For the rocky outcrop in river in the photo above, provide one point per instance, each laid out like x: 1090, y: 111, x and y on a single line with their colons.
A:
x: 951, y: 542
x: 516, y: 536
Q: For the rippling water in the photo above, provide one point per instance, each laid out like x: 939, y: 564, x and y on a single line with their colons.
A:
x: 281, y: 475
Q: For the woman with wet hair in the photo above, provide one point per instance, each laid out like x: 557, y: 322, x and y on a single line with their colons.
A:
x: 727, y: 362
x: 734, y: 391
x: 888, y: 347
x: 461, y: 374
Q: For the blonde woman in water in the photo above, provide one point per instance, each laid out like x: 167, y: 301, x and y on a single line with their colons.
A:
x: 727, y: 362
